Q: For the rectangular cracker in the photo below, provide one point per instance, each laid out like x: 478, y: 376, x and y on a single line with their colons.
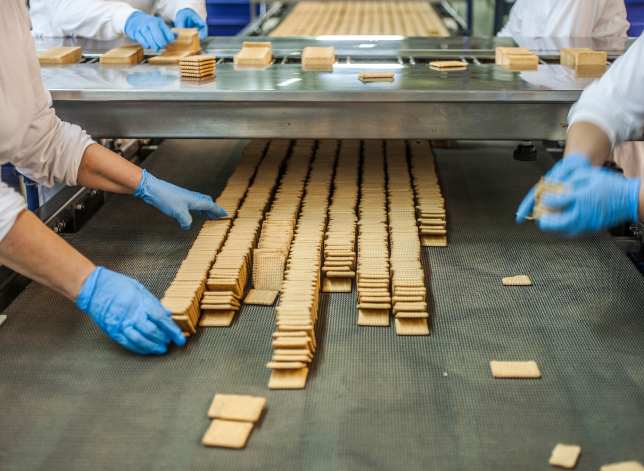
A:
x: 433, y: 241
x: 623, y: 466
x: 261, y: 297
x: 227, y: 433
x: 515, y: 369
x: 288, y: 379
x: 336, y: 285
x: 412, y: 327
x: 447, y: 65
x: 373, y: 317
x: 519, y: 280
x: 217, y: 319
x: 235, y: 407
x: 60, y: 55
x: 565, y: 456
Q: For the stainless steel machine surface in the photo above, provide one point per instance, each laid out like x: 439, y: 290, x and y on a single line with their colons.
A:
x: 484, y: 101
x: 72, y: 399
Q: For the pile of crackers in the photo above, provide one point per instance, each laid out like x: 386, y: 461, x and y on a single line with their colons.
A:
x: 372, y: 274
x: 318, y: 58
x: 124, y: 55
x: 254, y: 54
x: 234, y: 417
x: 60, y: 56
x: 382, y: 76
x: 232, y: 268
x: 516, y: 58
x: 587, y: 62
x: 269, y: 258
x: 340, y: 240
x: 294, y: 341
x: 407, y: 276
x: 196, y: 67
x: 430, y: 204
x: 184, y: 293
x: 186, y: 44
x: 405, y: 18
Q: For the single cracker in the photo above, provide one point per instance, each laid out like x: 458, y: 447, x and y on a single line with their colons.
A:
x: 515, y: 369
x: 336, y: 285
x: 519, y: 280
x: 623, y: 466
x: 412, y: 327
x: 288, y: 379
x: 373, y: 317
x: 261, y: 297
x: 565, y: 456
x: 217, y: 319
x: 227, y: 433
x: 234, y: 407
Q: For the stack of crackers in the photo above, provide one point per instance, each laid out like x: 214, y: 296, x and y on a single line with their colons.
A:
x: 233, y: 419
x: 373, y: 240
x: 184, y: 294
x: 376, y: 76
x: 186, y: 40
x: 232, y: 268
x: 318, y: 58
x: 278, y: 227
x: 540, y: 189
x: 340, y: 239
x: 407, y: 276
x: 230, y: 199
x: 430, y: 205
x: 294, y: 341
x: 587, y: 62
x: 254, y: 54
x: 124, y: 55
x: 60, y: 56
x: 516, y: 58
x: 196, y: 67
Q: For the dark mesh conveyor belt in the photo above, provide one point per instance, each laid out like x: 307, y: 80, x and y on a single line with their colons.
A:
x: 72, y: 399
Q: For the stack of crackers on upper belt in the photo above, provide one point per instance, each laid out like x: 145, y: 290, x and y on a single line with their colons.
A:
x: 254, y: 54
x: 184, y: 293
x: 124, y: 55
x: 340, y: 239
x: 186, y: 43
x: 407, y: 276
x: 373, y: 240
x: 294, y: 342
x: 196, y: 67
x: 430, y: 205
x: 516, y: 58
x: 269, y: 257
x: 376, y: 76
x: 231, y: 270
x: 587, y: 62
x: 318, y: 58
x: 60, y: 56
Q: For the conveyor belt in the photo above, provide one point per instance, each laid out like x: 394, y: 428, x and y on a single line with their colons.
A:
x: 73, y: 399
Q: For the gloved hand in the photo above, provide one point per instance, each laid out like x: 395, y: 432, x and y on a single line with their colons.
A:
x: 128, y: 312
x: 558, y: 172
x: 188, y: 18
x: 149, y: 31
x: 175, y: 201
x: 594, y: 199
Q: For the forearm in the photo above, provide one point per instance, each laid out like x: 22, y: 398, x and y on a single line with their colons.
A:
x: 102, y: 169
x: 34, y: 250
x: 590, y: 140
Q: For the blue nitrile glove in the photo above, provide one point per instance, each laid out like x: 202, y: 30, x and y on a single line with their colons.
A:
x: 594, y: 199
x: 126, y: 311
x: 175, y: 201
x: 188, y: 18
x: 558, y: 172
x: 149, y: 31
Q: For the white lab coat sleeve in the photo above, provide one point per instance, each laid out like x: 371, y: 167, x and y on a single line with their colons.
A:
x: 95, y: 19
x: 11, y: 204
x: 612, y: 22
x: 615, y: 103
x: 168, y: 9
x: 52, y: 149
x: 515, y: 20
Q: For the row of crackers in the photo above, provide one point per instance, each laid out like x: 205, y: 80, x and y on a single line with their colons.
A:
x: 294, y: 341
x: 340, y: 239
x: 407, y: 275
x: 232, y: 268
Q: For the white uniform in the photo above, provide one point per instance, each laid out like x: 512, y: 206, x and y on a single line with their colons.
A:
x: 567, y: 18
x: 32, y: 138
x: 99, y: 19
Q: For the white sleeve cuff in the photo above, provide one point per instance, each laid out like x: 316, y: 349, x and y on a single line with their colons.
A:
x: 120, y: 16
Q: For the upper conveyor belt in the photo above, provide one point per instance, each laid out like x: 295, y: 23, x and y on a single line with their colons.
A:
x: 484, y: 101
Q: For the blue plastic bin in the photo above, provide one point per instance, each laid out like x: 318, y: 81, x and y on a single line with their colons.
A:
x: 227, y: 17
x: 635, y: 16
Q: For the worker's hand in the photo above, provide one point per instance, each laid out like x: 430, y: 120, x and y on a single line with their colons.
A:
x: 188, y: 18
x: 149, y: 31
x: 175, y: 201
x: 594, y: 199
x: 126, y: 311
x: 558, y: 172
